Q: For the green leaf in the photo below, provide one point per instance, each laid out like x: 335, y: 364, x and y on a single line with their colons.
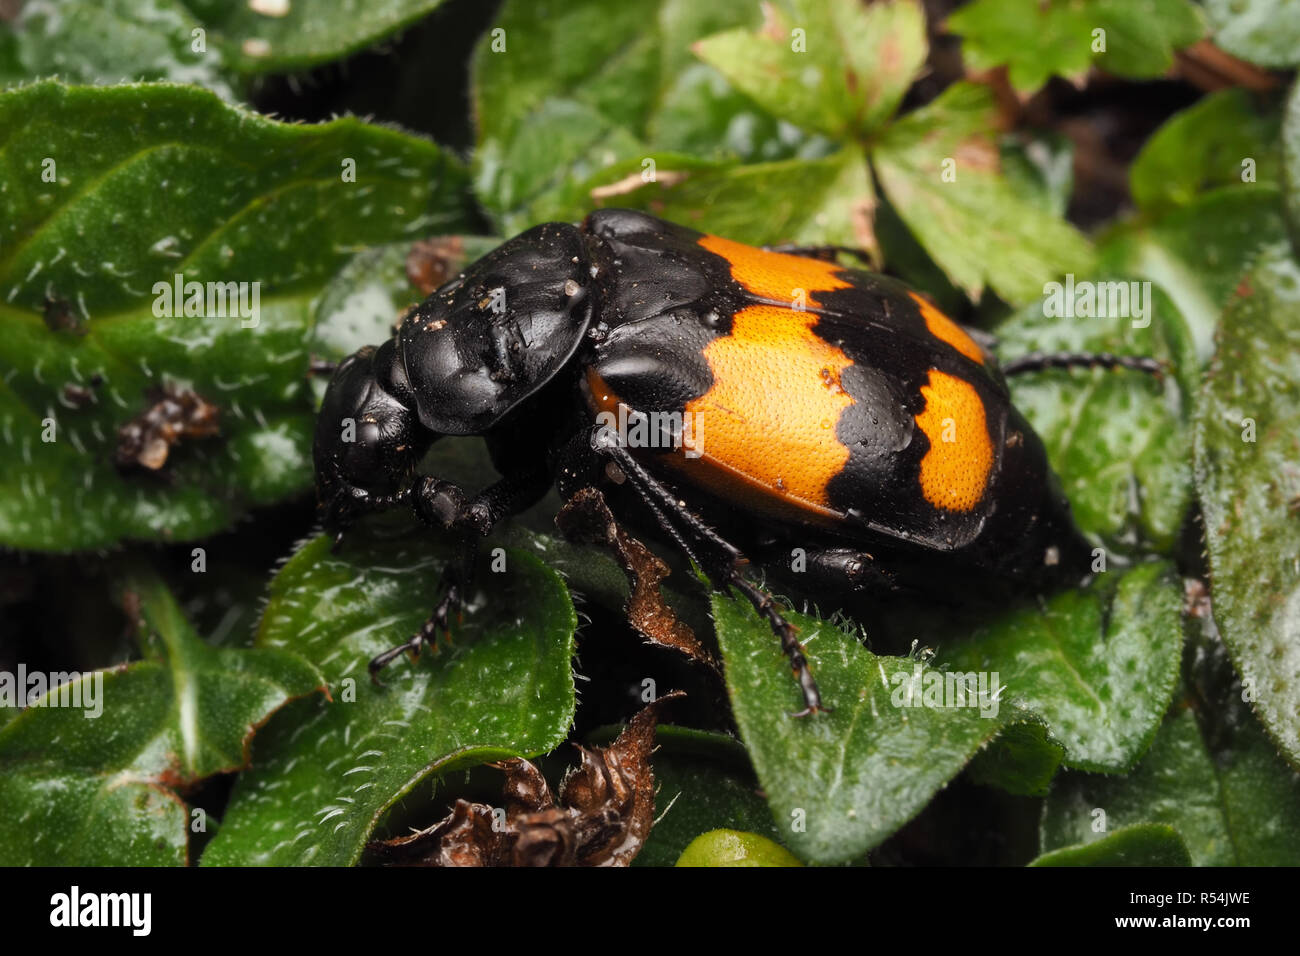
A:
x: 212, y: 43
x: 108, y: 41
x: 1235, y: 806
x: 1098, y: 665
x: 836, y: 67
x: 1248, y: 481
x: 1034, y: 40
x: 1146, y: 844
x: 95, y: 789
x: 571, y: 91
x: 324, y: 774
x: 1265, y: 32
x: 1041, y: 168
x: 582, y: 86
x: 1143, y: 35
x: 735, y: 848
x: 703, y: 782
x: 905, y: 257
x: 700, y: 114
x: 1203, y: 147
x: 1022, y: 761
x: 839, y: 783
x: 1039, y: 40
x: 1212, y: 774
x: 1119, y: 440
x: 599, y: 60
x: 1020, y: 245
x: 1291, y: 163
x: 1198, y: 252
x: 361, y: 303
x: 813, y: 201
x: 150, y: 182
x: 304, y: 34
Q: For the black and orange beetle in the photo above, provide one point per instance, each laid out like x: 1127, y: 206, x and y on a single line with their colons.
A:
x: 779, y: 398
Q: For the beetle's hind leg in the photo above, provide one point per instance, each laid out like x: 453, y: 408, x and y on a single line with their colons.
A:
x: 720, y: 560
x: 786, y: 633
x: 1040, y: 361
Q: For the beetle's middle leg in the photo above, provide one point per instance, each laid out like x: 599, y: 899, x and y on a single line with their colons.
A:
x: 1040, y: 361
x: 722, y: 561
x: 824, y: 253
x: 846, y: 570
x: 444, y: 505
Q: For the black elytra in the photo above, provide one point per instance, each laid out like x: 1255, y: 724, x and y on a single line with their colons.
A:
x: 834, y: 409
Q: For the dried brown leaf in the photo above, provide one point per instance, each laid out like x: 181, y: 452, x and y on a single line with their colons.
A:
x: 604, y: 814
x: 587, y: 518
x: 174, y: 413
x: 431, y: 262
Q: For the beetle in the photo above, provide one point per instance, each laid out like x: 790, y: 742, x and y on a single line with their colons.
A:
x: 747, y: 397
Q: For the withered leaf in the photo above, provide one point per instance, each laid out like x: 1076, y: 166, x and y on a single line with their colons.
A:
x: 586, y: 518
x: 60, y: 316
x: 173, y: 413
x: 431, y: 262
x: 603, y: 816
x: 468, y: 836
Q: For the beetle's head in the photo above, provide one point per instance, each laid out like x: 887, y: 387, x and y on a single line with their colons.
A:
x: 367, y: 440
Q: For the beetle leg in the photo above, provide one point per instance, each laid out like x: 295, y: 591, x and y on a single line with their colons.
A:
x: 823, y: 253
x: 350, y: 504
x: 1039, y: 361
x: 443, y: 504
x: 723, y: 563
x: 847, y: 568
x: 427, y: 634
x: 324, y: 368
x: 511, y: 495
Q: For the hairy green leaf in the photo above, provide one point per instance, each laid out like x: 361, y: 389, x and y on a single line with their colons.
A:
x: 1135, y: 38
x: 108, y: 195
x: 1291, y: 163
x: 839, y: 783
x: 1144, y: 844
x: 1119, y: 440
x: 326, y: 771
x: 1248, y: 481
x: 96, y: 785
x: 110, y: 41
x: 1266, y: 32
x: 1198, y: 252
x: 1098, y: 666
x: 1235, y: 805
x: 833, y: 66
x: 940, y: 168
x: 268, y: 36
x: 1219, y: 141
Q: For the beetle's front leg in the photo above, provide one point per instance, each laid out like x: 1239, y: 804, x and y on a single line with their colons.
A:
x: 445, y: 505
